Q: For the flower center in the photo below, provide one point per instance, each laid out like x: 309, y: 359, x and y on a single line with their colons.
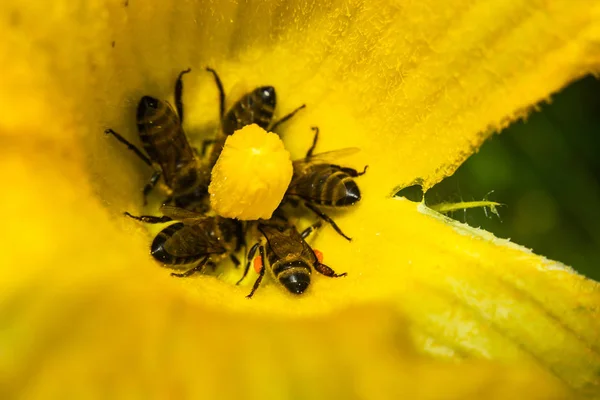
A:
x: 251, y: 175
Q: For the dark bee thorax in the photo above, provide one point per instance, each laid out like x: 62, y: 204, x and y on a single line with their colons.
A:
x: 187, y: 178
x: 230, y: 231
x: 197, y: 200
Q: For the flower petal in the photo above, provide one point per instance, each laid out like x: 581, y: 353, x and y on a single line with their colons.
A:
x: 416, y: 85
x: 88, y: 316
x: 412, y: 84
x: 466, y: 293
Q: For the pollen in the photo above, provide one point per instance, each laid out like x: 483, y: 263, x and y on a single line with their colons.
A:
x: 251, y: 175
x: 319, y: 255
x: 258, y: 264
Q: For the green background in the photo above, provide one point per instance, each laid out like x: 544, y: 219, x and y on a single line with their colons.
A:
x: 546, y: 172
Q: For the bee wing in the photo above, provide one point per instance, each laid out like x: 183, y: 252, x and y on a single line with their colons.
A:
x: 193, y: 240
x: 326, y: 157
x: 282, y: 243
x: 178, y: 213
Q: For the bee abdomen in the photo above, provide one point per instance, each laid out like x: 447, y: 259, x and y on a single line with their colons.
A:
x: 293, y: 275
x: 350, y: 193
x: 156, y: 127
x: 256, y: 107
x: 158, y: 251
x: 336, y: 190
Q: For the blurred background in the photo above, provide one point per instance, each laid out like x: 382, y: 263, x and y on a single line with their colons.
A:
x: 546, y: 172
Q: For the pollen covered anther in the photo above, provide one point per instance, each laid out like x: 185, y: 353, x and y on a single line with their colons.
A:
x: 251, y: 175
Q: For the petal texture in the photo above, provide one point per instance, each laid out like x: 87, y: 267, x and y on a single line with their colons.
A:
x: 86, y: 314
x: 416, y: 85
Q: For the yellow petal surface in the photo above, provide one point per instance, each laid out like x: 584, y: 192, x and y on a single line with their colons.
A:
x: 417, y: 86
x: 119, y: 327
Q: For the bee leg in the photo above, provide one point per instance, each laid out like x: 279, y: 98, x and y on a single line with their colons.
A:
x: 150, y: 185
x: 305, y: 233
x: 351, y: 171
x: 325, y: 270
x: 150, y: 219
x: 221, y: 91
x: 260, y: 275
x: 179, y: 93
x: 240, y: 236
x: 205, y: 144
x: 314, y: 143
x: 198, y: 268
x: 234, y: 260
x: 212, y: 266
x: 251, y: 254
x: 285, y: 118
x: 328, y: 219
x: 131, y: 147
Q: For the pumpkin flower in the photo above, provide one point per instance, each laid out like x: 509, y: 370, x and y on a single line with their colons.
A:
x: 430, y: 308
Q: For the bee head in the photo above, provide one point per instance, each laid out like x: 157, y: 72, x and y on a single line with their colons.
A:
x: 146, y: 104
x: 295, y: 280
x: 267, y: 94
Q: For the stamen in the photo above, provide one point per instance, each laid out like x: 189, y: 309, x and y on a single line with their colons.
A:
x: 251, y: 175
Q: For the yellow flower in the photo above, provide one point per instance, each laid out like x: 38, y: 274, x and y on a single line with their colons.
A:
x: 430, y: 309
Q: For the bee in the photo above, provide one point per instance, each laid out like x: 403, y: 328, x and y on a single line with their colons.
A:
x: 287, y: 255
x: 256, y: 107
x: 169, y: 152
x: 195, y: 238
x: 316, y: 182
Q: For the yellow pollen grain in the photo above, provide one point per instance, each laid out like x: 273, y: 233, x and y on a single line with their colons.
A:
x: 251, y: 175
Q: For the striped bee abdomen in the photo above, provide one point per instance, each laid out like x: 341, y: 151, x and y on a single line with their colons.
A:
x: 166, y: 143
x: 158, y: 249
x: 326, y: 185
x: 256, y: 107
x: 155, y: 120
x: 294, y: 275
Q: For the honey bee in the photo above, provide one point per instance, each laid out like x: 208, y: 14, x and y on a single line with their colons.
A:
x: 168, y: 149
x: 196, y: 237
x: 256, y: 107
x: 317, y: 182
x: 287, y: 255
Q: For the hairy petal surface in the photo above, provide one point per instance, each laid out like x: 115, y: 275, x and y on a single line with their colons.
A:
x: 415, y: 85
x: 85, y: 314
